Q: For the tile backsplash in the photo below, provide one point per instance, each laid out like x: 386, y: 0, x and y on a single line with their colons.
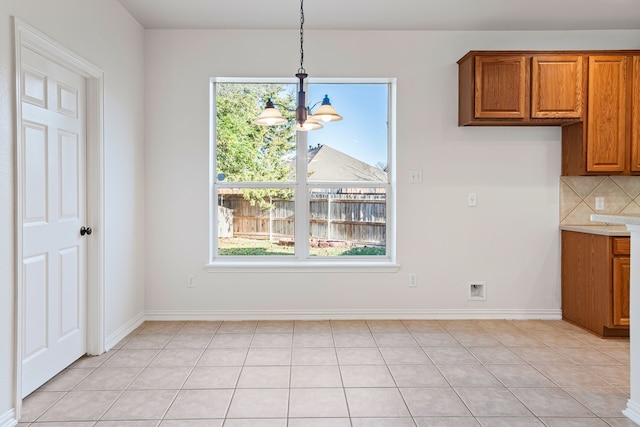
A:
x: 578, y: 197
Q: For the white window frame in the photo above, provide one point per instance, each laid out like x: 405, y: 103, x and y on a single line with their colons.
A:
x: 301, y: 261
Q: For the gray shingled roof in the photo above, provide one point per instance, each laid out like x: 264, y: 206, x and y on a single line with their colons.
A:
x: 328, y: 164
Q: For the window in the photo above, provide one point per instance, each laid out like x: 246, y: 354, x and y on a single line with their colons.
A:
x: 287, y: 198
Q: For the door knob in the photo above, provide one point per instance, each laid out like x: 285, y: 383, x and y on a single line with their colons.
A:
x: 85, y: 230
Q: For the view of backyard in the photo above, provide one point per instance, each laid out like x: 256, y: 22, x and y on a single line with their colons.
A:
x: 256, y: 177
x: 249, y: 247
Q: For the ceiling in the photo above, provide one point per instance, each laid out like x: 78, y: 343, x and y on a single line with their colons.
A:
x: 388, y: 14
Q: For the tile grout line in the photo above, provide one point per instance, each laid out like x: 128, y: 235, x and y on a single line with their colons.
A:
x: 186, y: 379
x: 608, y: 381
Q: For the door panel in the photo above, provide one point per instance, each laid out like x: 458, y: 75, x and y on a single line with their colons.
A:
x: 69, y: 178
x: 500, y: 87
x: 635, y: 114
x: 35, y: 305
x: 606, y: 122
x: 34, y: 137
x: 69, y: 259
x: 556, y: 87
x: 34, y: 87
x: 54, y: 254
x: 621, y: 279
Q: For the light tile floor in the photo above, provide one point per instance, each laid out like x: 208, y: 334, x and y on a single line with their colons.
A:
x: 343, y: 373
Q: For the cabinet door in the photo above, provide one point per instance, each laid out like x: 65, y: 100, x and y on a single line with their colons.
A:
x: 606, y: 132
x: 500, y: 87
x: 556, y: 87
x: 635, y: 115
x: 621, y: 270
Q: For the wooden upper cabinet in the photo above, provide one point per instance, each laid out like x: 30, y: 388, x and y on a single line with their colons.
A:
x: 521, y: 88
x: 500, y: 87
x: 635, y: 114
x: 606, y: 121
x: 557, y: 86
x: 593, y: 94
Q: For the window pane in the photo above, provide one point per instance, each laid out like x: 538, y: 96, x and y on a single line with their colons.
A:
x: 346, y: 161
x: 355, y: 148
x: 255, y: 221
x: 246, y: 152
x: 347, y: 221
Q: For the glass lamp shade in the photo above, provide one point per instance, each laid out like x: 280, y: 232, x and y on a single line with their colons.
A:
x: 309, y: 124
x: 270, y: 116
x: 326, y: 113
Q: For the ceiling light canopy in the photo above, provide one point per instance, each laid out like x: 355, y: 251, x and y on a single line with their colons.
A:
x: 305, y: 119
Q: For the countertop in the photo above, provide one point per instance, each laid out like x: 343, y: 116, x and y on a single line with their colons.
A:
x: 617, y: 219
x: 604, y: 230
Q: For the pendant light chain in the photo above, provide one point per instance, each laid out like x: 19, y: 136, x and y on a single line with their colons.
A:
x: 326, y: 113
x: 301, y: 69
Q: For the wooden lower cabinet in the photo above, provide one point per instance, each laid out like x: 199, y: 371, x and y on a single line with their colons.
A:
x: 595, y: 282
x: 621, y: 275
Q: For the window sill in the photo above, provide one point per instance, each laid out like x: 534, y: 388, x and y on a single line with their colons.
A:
x: 291, y: 266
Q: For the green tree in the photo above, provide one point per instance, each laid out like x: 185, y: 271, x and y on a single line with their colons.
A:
x: 248, y: 152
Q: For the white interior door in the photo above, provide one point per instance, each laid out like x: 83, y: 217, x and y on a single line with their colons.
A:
x: 53, y: 211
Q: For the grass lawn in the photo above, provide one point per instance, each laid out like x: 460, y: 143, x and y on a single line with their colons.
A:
x: 236, y: 247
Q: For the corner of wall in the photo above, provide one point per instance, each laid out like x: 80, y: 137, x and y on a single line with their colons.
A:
x: 122, y: 332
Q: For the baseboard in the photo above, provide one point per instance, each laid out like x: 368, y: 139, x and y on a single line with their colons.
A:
x: 8, y: 419
x: 123, y: 331
x: 632, y: 411
x: 543, y: 314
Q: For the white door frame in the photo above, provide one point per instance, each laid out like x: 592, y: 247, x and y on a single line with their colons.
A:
x: 28, y: 36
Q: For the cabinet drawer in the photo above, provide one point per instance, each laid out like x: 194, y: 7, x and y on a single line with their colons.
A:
x: 621, y: 246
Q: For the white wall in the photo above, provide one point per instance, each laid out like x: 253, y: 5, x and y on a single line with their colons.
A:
x: 510, y: 240
x: 102, y: 32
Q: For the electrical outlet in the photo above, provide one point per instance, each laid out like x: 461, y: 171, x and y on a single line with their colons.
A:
x: 191, y: 281
x: 413, y: 280
x: 599, y: 203
x: 472, y: 200
x: 415, y: 176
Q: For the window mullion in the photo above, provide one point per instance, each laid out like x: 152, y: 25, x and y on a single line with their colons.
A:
x: 301, y: 198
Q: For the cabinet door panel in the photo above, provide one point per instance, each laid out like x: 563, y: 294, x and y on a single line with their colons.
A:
x: 500, y: 87
x: 606, y: 132
x: 621, y: 270
x: 556, y: 87
x: 635, y: 115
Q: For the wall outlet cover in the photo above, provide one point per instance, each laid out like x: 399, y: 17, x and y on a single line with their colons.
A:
x: 599, y: 203
x: 413, y: 280
x: 472, y: 200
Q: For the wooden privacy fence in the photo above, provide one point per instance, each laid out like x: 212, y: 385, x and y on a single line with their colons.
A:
x: 356, y: 218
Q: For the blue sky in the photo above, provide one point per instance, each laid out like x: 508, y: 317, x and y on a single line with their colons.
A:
x: 362, y: 133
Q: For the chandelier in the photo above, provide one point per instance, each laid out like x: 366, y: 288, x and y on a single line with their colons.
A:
x: 305, y: 119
